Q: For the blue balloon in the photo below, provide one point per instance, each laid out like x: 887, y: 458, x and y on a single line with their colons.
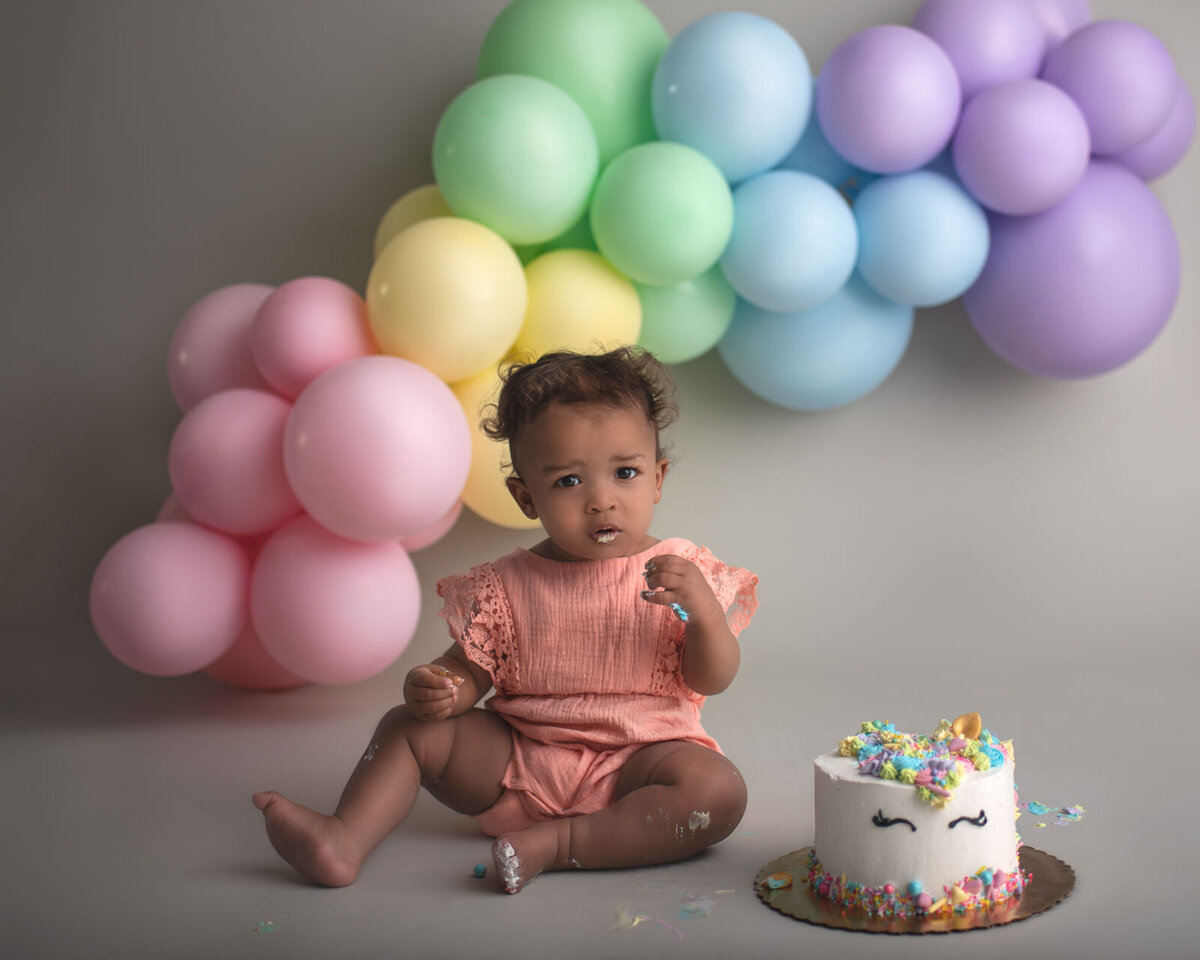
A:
x: 794, y: 241
x: 922, y: 239
x: 814, y: 155
x: 736, y: 87
x: 819, y: 358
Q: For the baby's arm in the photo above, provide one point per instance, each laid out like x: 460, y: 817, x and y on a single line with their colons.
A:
x: 711, y: 654
x: 445, y: 688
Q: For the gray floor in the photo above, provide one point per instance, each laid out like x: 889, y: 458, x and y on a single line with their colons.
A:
x: 966, y: 538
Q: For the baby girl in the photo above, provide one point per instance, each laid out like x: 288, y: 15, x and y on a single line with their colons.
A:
x: 601, y: 643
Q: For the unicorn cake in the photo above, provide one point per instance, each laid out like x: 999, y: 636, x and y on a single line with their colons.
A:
x: 911, y: 825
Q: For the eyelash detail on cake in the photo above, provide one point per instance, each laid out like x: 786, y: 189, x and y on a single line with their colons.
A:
x: 978, y: 821
x: 881, y: 821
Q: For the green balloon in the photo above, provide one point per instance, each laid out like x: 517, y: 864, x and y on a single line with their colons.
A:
x: 682, y: 322
x: 662, y: 213
x: 602, y: 52
x: 517, y: 155
x: 578, y: 237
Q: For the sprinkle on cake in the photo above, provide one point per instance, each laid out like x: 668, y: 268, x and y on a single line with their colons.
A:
x: 933, y: 764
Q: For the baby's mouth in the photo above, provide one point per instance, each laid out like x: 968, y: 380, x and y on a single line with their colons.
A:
x: 605, y: 534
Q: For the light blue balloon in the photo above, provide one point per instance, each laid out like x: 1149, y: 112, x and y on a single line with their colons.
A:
x: 814, y: 155
x: 794, y: 241
x: 820, y: 358
x: 922, y: 239
x: 735, y: 86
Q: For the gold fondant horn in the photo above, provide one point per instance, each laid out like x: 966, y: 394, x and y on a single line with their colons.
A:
x: 968, y: 726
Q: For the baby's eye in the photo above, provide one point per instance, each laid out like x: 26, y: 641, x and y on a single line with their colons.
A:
x: 570, y: 480
x: 626, y: 473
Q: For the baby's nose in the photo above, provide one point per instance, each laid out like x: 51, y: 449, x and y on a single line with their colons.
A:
x: 601, y: 500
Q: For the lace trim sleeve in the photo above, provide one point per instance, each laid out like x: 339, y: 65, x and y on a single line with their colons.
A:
x: 735, y: 590
x: 479, y: 619
x: 735, y: 587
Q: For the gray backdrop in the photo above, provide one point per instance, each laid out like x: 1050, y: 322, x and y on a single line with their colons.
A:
x: 965, y: 538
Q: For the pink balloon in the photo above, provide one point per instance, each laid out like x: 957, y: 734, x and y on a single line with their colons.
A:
x: 210, y: 349
x: 226, y: 462
x: 170, y: 598
x: 377, y: 448
x: 432, y: 534
x: 304, y: 328
x: 247, y: 664
x: 333, y: 610
x: 172, y: 511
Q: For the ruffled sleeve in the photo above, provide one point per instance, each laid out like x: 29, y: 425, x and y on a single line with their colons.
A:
x: 480, y: 620
x: 735, y: 587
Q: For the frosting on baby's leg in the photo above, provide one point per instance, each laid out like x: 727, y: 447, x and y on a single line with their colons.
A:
x: 508, y: 865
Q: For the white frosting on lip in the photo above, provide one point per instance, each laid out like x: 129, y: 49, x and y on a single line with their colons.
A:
x: 847, y: 842
x: 605, y: 536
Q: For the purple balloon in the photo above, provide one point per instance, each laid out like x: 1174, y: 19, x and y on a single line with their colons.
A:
x: 1084, y: 287
x: 988, y: 41
x: 1165, y: 147
x: 1021, y: 146
x: 888, y: 99
x: 1061, y: 18
x: 1121, y: 76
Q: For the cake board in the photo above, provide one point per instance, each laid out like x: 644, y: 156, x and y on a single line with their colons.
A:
x: 1052, y: 882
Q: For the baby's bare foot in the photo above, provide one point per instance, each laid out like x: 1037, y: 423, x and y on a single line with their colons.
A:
x: 521, y: 856
x: 313, y: 843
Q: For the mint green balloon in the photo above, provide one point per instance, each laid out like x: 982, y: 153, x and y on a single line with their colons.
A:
x: 602, y: 52
x: 517, y: 155
x: 662, y: 213
x: 578, y: 237
x: 683, y: 322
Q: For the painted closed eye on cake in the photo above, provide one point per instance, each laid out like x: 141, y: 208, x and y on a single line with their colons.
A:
x: 910, y: 824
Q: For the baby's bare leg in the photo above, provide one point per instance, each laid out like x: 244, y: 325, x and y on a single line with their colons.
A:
x: 673, y: 800
x: 460, y: 761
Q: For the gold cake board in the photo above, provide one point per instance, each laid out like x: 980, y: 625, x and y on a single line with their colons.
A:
x: 1052, y: 882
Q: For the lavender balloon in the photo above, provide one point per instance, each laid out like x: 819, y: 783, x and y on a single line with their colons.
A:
x: 888, y: 99
x: 1061, y: 18
x: 1084, y: 287
x: 1166, y: 146
x: 1021, y: 146
x: 1121, y: 76
x: 988, y: 41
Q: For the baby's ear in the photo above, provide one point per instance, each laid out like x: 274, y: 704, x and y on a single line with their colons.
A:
x: 660, y: 472
x: 520, y: 493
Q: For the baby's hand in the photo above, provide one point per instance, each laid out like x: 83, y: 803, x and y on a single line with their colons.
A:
x: 431, y: 691
x: 673, y: 579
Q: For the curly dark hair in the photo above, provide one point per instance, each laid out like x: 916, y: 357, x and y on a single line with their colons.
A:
x: 624, y: 377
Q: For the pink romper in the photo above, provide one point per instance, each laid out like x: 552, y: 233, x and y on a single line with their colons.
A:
x: 586, y: 672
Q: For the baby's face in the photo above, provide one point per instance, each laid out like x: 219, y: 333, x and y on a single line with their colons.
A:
x: 590, y: 474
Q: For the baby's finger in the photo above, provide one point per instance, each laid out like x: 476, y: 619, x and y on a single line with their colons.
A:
x: 431, y: 694
x: 450, y: 675
x: 426, y: 677
x: 661, y: 596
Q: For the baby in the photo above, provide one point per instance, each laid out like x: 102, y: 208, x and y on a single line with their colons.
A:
x: 601, y: 643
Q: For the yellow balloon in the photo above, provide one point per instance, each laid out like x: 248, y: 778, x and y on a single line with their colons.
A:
x: 577, y: 301
x: 448, y: 294
x: 485, y: 492
x: 421, y: 203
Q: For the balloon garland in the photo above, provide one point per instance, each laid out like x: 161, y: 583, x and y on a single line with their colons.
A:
x: 600, y: 184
